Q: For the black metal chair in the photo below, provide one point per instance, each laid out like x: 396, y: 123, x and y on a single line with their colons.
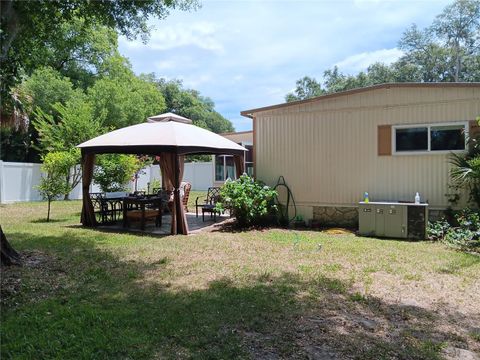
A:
x: 107, y: 209
x: 209, y: 203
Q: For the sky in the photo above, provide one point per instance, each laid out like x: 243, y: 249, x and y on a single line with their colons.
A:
x: 248, y: 54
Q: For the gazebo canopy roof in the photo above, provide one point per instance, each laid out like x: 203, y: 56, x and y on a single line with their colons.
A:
x: 162, y: 133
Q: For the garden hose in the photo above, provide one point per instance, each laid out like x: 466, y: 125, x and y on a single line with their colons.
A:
x: 284, y: 219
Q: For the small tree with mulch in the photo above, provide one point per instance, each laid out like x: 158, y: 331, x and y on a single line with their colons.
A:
x: 55, y: 167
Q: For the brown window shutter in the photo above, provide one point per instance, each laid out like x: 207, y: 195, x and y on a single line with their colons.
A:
x: 384, y: 140
x: 474, y: 130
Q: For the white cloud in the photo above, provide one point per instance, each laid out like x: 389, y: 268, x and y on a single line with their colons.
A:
x: 246, y: 54
x: 359, y: 62
x: 201, y: 34
x: 164, y: 65
x: 194, y: 81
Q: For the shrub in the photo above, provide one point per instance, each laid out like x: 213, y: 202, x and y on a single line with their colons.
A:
x: 437, y: 229
x: 251, y: 201
x: 113, y: 172
x: 462, y: 233
x: 465, y: 172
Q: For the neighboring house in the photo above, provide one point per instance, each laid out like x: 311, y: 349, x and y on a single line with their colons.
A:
x: 390, y: 140
x: 224, y: 167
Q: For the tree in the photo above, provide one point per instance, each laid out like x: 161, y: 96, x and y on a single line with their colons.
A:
x: 120, y: 98
x: 306, y: 88
x: 448, y: 50
x: 8, y: 255
x: 465, y: 172
x: 189, y: 103
x: 26, y: 26
x: 422, y: 51
x: 42, y: 90
x: 78, y: 50
x: 113, y: 171
x: 458, y: 28
x: 76, y: 124
x: 55, y: 168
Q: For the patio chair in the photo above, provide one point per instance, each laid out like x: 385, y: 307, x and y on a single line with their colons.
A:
x: 143, y: 213
x: 108, y: 207
x: 185, y: 188
x: 209, y: 203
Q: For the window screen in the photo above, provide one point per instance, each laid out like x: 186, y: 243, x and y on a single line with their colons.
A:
x: 411, y: 139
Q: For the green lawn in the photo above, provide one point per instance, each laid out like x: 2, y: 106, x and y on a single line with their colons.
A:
x: 88, y: 294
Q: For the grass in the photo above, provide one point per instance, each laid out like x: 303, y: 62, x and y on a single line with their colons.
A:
x: 85, y: 294
x: 193, y: 196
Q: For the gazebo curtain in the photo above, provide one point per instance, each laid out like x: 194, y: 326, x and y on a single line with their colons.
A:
x: 172, y: 167
x: 88, y: 214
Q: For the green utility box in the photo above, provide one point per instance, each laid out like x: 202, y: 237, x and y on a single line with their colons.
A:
x: 393, y: 220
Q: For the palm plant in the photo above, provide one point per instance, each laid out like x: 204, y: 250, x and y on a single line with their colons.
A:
x: 466, y: 169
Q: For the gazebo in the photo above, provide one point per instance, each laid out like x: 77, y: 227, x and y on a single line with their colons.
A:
x: 168, y: 136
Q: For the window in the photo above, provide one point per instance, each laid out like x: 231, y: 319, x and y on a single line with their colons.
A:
x: 219, y: 167
x: 225, y: 166
x: 429, y: 138
x: 449, y: 137
x: 412, y: 139
x: 249, y: 160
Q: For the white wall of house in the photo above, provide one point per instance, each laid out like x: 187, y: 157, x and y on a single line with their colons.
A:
x: 19, y: 181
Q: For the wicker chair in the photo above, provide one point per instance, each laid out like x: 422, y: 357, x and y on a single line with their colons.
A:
x: 186, y: 193
x: 185, y: 188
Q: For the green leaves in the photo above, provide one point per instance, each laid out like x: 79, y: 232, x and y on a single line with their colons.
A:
x: 113, y: 171
x: 56, y: 168
x: 189, y: 103
x: 120, y: 98
x: 73, y: 124
x: 251, y: 201
x: 448, y: 50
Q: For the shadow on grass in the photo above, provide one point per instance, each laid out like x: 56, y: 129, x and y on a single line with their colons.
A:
x: 105, y: 229
x: 45, y: 221
x: 83, y: 302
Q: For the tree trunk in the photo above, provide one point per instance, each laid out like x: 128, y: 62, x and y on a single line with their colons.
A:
x: 8, y: 254
x: 10, y: 24
x: 48, y: 213
x: 67, y: 181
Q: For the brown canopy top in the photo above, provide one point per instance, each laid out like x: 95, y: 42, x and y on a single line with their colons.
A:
x: 162, y: 133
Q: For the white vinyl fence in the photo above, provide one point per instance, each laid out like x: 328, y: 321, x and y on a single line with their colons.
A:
x: 18, y: 181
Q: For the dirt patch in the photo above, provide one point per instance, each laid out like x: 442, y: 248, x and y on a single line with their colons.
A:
x: 339, y: 327
x: 35, y: 273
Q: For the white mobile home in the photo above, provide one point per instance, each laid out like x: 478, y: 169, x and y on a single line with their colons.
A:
x: 390, y: 140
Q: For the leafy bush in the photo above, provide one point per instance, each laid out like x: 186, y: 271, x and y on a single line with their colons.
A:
x: 437, y: 229
x: 466, y: 169
x: 251, y: 201
x: 463, y: 233
x: 113, y: 171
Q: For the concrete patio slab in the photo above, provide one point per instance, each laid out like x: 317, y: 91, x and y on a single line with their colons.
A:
x: 195, y: 225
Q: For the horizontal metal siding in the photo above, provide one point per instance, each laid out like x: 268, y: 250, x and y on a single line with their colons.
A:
x: 328, y: 154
